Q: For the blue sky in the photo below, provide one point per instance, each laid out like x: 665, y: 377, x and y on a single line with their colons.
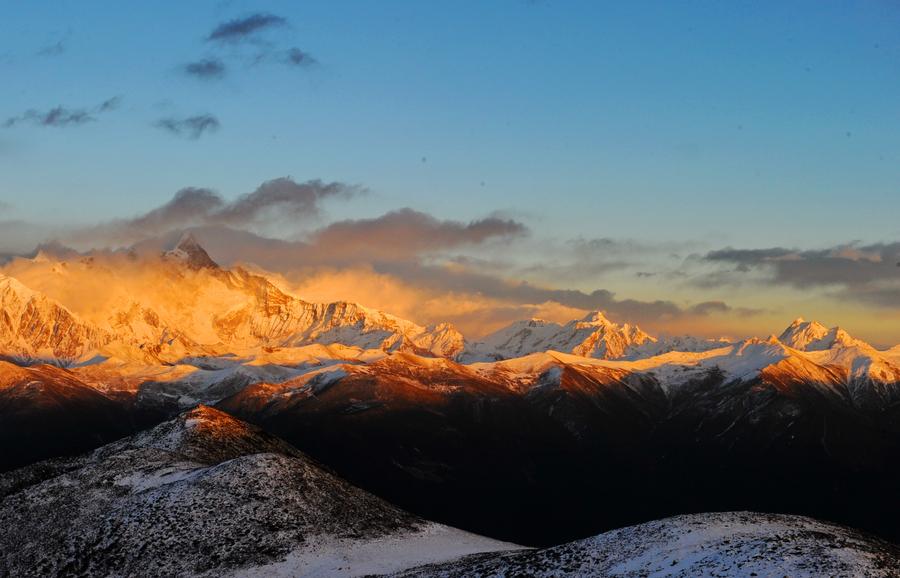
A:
x: 744, y: 124
x: 661, y: 119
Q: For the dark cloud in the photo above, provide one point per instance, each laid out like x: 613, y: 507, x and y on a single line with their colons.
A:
x: 273, y: 201
x: 290, y: 199
x: 192, y: 127
x: 865, y: 273
x: 401, y: 234
x: 61, y: 116
x: 241, y: 29
x: 206, y: 69
x: 297, y: 57
x: 851, y: 265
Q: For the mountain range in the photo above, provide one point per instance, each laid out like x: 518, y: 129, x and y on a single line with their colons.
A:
x: 585, y: 426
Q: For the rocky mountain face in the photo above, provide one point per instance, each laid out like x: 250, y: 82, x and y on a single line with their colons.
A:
x: 207, y: 495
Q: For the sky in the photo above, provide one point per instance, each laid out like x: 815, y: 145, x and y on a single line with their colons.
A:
x: 706, y: 167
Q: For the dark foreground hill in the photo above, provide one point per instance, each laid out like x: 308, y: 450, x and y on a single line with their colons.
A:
x: 206, y: 494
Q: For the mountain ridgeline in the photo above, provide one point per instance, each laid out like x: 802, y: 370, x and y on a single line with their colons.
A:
x: 536, y: 434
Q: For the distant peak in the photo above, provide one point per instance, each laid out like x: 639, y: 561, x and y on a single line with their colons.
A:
x: 596, y: 318
x: 189, y: 251
x: 53, y: 251
x: 813, y: 336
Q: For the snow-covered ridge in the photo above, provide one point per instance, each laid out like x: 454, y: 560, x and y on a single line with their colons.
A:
x: 716, y: 544
x: 591, y: 336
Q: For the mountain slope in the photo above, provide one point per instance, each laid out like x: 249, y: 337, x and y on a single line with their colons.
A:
x: 46, y: 411
x: 751, y: 425
x: 700, y: 545
x: 206, y: 494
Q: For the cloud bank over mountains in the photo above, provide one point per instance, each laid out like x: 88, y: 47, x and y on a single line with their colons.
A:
x: 480, y: 273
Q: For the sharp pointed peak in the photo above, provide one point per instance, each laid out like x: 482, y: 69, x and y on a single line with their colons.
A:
x: 189, y: 250
x: 596, y: 317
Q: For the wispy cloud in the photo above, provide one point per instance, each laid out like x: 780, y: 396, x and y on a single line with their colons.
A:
x: 206, y: 69
x: 296, y: 57
x: 241, y: 29
x: 61, y: 116
x: 192, y: 127
x: 54, y: 49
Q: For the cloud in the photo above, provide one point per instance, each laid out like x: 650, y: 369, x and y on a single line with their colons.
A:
x: 61, y: 116
x: 206, y: 69
x: 296, y: 57
x: 397, y: 235
x: 276, y: 200
x: 367, y: 245
x: 192, y: 127
x: 54, y: 49
x: 852, y: 271
x: 710, y: 307
x: 241, y: 29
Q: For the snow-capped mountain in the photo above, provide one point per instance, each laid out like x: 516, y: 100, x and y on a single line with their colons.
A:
x: 33, y: 327
x: 592, y: 336
x: 813, y: 336
x: 189, y: 251
x: 161, y: 309
x: 207, y: 495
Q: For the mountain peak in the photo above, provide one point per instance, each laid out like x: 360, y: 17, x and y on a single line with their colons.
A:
x: 813, y: 336
x: 191, y: 253
x: 595, y: 318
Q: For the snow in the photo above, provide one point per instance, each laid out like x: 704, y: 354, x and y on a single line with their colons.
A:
x: 592, y: 336
x: 327, y: 556
x: 698, y: 545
